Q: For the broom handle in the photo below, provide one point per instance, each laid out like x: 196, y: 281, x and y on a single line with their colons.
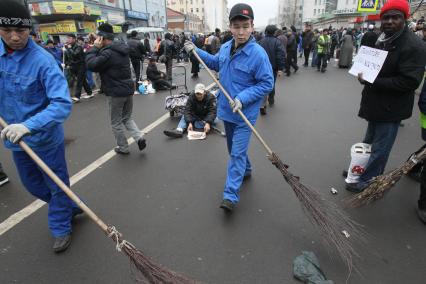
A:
x: 267, y: 148
x: 59, y: 182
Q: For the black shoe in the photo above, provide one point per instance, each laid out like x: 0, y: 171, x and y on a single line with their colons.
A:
x: 295, y: 70
x: 121, y: 152
x: 195, y: 76
x: 354, y: 187
x: 247, y: 177
x: 61, y: 243
x: 271, y: 101
x: 288, y: 74
x: 263, y: 110
x: 227, y: 205
x: 141, y: 144
x: 173, y: 133
x: 422, y: 215
x: 322, y: 70
x: 345, y: 173
x: 305, y: 65
x: 3, y: 178
x: 318, y: 69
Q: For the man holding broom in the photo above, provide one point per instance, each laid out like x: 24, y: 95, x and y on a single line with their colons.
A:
x: 35, y: 101
x: 245, y: 72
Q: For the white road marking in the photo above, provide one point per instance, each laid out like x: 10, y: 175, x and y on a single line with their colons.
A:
x: 30, y: 209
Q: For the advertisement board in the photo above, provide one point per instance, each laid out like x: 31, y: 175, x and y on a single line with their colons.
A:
x: 38, y: 9
x: 65, y: 7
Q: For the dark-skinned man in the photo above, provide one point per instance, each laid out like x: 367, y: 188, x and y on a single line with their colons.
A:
x: 390, y: 98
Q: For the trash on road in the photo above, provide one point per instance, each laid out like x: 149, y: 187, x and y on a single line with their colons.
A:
x: 306, y: 268
x: 333, y: 190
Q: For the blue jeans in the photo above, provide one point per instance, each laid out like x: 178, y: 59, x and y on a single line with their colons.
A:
x: 314, y: 58
x: 61, y: 207
x: 237, y: 138
x: 381, y: 136
x: 197, y: 124
x: 89, y: 76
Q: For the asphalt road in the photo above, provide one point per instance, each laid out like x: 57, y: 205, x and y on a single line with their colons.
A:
x: 165, y: 200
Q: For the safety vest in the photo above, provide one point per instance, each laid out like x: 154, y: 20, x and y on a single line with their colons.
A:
x: 323, y: 44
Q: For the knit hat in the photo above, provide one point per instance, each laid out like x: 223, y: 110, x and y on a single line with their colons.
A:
x: 400, y: 5
x: 14, y: 14
x: 105, y: 30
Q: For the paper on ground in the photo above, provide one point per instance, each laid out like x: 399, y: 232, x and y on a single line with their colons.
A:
x: 369, y: 61
x: 196, y: 135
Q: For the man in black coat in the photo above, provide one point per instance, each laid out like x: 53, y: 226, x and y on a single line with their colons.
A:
x: 291, y: 51
x: 307, y: 37
x: 200, y: 113
x: 275, y: 50
x: 136, y: 52
x: 390, y: 98
x: 111, y: 59
x: 167, y: 50
x: 157, y: 78
x: 370, y: 37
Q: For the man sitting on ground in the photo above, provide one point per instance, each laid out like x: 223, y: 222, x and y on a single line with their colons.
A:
x: 200, y: 113
x: 158, y: 78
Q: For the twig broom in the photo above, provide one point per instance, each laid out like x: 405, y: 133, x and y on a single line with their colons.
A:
x: 330, y: 221
x: 381, y: 184
x: 152, y: 272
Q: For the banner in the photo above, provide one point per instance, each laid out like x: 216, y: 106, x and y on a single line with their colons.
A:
x: 61, y: 7
x: 38, y: 9
x: 48, y: 29
x: 367, y: 5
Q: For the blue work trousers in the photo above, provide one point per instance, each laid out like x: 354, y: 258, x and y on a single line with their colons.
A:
x: 237, y: 138
x: 61, y: 207
x: 381, y: 136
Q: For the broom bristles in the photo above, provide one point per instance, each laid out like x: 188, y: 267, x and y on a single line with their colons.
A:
x: 325, y: 215
x: 150, y: 271
x: 383, y: 183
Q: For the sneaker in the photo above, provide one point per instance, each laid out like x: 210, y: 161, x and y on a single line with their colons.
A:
x: 141, y: 144
x: 227, y: 205
x: 422, y: 215
x: 75, y: 100
x: 354, y: 187
x: 263, y: 110
x: 3, y: 178
x: 173, y: 133
x: 121, y: 152
x: 86, y: 96
x: 61, y: 243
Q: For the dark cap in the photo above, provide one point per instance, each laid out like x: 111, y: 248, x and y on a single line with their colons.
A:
x: 14, y: 14
x: 241, y: 10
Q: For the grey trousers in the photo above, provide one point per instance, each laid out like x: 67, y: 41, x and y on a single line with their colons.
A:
x: 120, y: 110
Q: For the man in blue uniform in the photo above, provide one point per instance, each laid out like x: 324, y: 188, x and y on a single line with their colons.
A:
x: 245, y: 72
x: 35, y: 101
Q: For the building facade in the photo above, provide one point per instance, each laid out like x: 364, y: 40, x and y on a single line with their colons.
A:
x: 178, y: 22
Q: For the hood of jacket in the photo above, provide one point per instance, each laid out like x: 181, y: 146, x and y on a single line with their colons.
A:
x: 119, y: 47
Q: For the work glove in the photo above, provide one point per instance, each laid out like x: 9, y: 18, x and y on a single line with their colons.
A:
x: 236, y: 105
x: 14, y: 132
x: 188, y: 46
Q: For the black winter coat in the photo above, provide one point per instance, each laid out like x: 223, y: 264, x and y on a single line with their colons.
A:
x: 152, y: 73
x: 201, y: 110
x: 74, y: 56
x: 369, y: 39
x: 136, y: 49
x: 307, y: 37
x: 113, y: 64
x: 391, y: 97
x: 275, y: 50
x: 167, y: 47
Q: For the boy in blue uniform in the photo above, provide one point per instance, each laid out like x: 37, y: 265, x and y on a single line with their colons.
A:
x: 35, y: 101
x: 245, y: 72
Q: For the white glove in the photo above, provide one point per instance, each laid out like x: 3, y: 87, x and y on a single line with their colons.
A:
x: 236, y: 105
x: 14, y: 132
x: 188, y: 46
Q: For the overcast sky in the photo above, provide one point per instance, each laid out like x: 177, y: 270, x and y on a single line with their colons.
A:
x: 263, y: 9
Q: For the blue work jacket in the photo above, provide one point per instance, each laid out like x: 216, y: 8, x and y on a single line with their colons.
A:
x: 247, y: 76
x: 33, y: 91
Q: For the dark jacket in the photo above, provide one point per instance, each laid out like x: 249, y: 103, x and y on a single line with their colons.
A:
x: 167, y: 47
x: 391, y: 97
x: 147, y: 45
x: 112, y: 63
x: 275, y: 50
x: 291, y: 42
x: 152, y: 72
x: 74, y: 56
x: 201, y: 110
x: 136, y: 49
x: 369, y: 39
x: 307, y: 37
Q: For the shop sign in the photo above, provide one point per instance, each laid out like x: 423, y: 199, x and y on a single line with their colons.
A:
x: 48, y: 28
x: 66, y: 27
x: 64, y: 7
x: 38, y: 9
x: 94, y: 11
x: 115, y: 18
x: 89, y: 27
x: 137, y: 15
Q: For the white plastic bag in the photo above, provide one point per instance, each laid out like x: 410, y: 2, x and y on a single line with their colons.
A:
x: 360, y: 154
x: 150, y: 89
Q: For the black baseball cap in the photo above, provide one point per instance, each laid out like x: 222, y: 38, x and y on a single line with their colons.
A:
x: 241, y: 10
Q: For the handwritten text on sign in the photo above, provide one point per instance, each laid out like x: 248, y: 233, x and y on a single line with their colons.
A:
x: 369, y: 62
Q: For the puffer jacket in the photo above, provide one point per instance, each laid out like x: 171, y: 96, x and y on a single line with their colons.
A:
x: 113, y: 64
x: 136, y: 49
x: 201, y: 110
x: 275, y: 50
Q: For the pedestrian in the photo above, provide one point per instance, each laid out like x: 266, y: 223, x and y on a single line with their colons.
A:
x: 147, y: 45
x: 323, y: 50
x: 35, y: 110
x: 136, y: 52
x: 3, y: 176
x: 157, y: 78
x: 390, y: 98
x: 346, y: 51
x: 291, y: 51
x: 111, y: 59
x: 275, y: 50
x: 195, y: 65
x: 215, y: 42
x: 307, y: 37
x: 200, y: 113
x: 245, y: 72
x: 167, y: 51
x: 370, y: 37
x: 77, y: 67
x: 55, y: 52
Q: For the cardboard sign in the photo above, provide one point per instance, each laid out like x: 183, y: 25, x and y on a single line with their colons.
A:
x: 369, y: 61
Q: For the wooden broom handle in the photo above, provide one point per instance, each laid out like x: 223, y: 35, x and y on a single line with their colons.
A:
x: 267, y: 148
x: 59, y: 182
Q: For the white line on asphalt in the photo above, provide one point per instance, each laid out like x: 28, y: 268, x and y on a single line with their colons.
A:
x: 19, y: 216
